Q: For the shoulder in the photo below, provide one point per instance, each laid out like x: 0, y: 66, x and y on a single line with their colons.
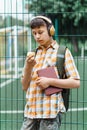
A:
x: 68, y: 53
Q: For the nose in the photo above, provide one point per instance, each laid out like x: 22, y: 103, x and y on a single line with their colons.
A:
x: 37, y: 36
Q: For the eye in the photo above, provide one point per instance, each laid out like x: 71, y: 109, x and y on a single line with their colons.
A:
x: 40, y: 32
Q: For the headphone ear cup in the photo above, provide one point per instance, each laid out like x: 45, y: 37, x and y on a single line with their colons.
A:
x: 51, y: 30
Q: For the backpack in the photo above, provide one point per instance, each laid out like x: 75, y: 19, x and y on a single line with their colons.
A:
x: 61, y: 71
x: 60, y: 68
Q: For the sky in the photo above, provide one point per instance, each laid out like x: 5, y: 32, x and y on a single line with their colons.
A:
x: 14, y: 7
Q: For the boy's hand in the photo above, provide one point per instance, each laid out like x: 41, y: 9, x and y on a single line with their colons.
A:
x: 43, y: 82
x: 30, y: 59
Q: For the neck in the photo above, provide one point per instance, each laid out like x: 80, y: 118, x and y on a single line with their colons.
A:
x: 49, y: 42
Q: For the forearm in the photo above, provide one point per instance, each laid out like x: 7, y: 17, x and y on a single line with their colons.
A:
x: 65, y: 83
x: 25, y: 80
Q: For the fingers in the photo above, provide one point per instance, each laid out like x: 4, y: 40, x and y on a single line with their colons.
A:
x: 43, y: 82
x: 38, y: 81
x: 31, y: 54
x: 30, y: 59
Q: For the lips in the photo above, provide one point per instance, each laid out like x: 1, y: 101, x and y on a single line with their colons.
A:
x: 40, y: 41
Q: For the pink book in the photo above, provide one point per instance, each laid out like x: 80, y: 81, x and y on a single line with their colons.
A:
x: 49, y: 72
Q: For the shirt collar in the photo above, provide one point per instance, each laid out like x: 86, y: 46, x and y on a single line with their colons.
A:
x: 53, y: 45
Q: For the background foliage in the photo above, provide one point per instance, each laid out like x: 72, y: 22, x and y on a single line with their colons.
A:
x: 71, y: 15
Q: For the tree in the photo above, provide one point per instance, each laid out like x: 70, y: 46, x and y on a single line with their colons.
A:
x: 71, y: 14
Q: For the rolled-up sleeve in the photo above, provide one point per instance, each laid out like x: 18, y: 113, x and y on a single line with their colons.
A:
x: 70, y: 67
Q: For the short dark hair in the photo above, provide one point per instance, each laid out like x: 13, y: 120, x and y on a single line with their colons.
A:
x: 37, y: 22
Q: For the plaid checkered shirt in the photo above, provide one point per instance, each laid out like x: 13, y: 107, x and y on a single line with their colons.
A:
x: 38, y: 105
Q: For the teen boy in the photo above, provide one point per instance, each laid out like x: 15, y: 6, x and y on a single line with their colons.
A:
x: 44, y: 112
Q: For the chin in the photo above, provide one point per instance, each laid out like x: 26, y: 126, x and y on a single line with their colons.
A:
x: 41, y: 43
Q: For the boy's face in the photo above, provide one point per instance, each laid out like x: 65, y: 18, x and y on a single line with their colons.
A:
x: 41, y: 35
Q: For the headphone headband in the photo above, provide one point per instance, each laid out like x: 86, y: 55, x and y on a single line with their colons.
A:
x: 44, y: 18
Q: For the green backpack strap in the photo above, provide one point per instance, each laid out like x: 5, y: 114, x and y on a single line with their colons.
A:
x: 60, y: 60
x: 61, y: 71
